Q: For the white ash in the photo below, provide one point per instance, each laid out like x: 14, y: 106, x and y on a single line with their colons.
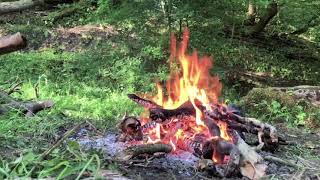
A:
x: 110, y: 147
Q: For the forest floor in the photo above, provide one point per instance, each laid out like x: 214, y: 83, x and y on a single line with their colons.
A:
x: 87, y: 70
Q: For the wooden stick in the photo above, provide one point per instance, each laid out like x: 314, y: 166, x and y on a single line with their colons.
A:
x: 281, y: 161
x: 55, y: 145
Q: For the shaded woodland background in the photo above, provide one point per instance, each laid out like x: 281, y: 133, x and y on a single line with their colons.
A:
x: 87, y: 55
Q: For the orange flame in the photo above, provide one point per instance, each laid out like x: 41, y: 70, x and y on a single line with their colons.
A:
x: 192, y: 82
x: 189, y: 80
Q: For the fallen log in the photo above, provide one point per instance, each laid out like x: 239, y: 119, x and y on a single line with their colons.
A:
x: 311, y: 93
x: 16, y: 6
x: 12, y: 43
x: 137, y: 150
x: 257, y: 79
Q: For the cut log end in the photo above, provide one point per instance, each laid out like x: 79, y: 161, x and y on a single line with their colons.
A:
x: 12, y: 43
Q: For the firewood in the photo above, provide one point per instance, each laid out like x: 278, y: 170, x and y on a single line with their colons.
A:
x: 137, y: 150
x: 12, y: 43
x: 218, y: 112
x: 165, y: 116
x: 212, y: 126
x: 207, y: 165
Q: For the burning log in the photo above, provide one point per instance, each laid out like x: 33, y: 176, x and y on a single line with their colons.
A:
x: 267, y: 134
x: 137, y: 150
x: 212, y: 126
x: 217, y: 149
x: 143, y: 102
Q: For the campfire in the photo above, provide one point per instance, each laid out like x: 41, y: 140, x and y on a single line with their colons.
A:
x: 186, y: 115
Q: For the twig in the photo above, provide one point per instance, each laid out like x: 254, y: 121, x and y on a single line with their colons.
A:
x: 36, y: 90
x: 55, y: 145
x: 278, y: 160
x: 14, y: 88
x: 94, y: 127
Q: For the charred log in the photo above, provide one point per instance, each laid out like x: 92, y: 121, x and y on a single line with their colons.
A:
x: 212, y: 126
x: 167, y: 115
x: 143, y: 102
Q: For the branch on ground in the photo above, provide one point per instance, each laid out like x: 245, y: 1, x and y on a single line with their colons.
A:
x: 29, y: 109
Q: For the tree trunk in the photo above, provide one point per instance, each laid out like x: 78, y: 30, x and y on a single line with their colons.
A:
x: 271, y: 11
x: 251, y: 14
x: 12, y: 43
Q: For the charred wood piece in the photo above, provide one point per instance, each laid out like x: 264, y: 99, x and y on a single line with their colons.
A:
x: 143, y: 102
x: 217, y: 149
x: 212, y: 126
x: 165, y: 116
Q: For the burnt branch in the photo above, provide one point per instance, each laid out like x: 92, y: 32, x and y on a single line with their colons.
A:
x: 143, y: 102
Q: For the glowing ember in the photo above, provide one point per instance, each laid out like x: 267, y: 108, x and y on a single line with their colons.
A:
x: 190, y: 81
